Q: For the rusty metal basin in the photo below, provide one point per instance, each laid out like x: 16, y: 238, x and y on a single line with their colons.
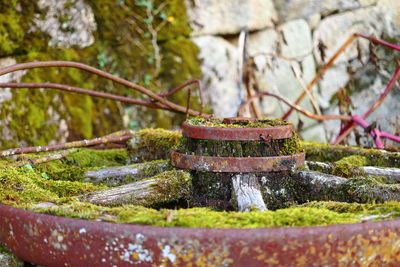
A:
x: 57, y: 241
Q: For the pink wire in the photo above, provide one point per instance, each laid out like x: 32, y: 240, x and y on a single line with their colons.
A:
x: 376, y: 134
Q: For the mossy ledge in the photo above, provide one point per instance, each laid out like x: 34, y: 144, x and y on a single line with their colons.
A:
x: 152, y: 144
x: 325, y: 214
x: 332, y: 153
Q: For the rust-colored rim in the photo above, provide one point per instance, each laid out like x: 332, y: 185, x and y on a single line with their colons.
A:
x: 236, y: 164
x: 57, y: 241
x: 218, y: 133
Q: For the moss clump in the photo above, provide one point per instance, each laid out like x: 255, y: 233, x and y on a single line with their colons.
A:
x: 75, y: 165
x: 16, y: 32
x: 347, y: 166
x: 291, y: 146
x: 21, y: 185
x: 218, y: 122
x: 130, y: 50
x: 392, y: 208
x: 152, y: 144
x: 369, y: 190
x: 49, y: 181
x: 97, y: 158
x: 152, y: 168
x: 172, y: 186
x: 18, y: 187
x: 203, y: 217
x: 332, y: 153
x: 354, y: 160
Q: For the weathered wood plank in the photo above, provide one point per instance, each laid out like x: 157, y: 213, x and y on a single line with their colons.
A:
x: 166, y: 187
x: 247, y: 192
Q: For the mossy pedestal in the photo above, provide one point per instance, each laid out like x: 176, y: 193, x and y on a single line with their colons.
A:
x: 218, y: 150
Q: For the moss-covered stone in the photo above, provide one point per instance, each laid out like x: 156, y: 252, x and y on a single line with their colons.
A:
x: 74, y: 165
x: 33, y: 117
x: 152, y: 144
x: 54, y: 180
x: 172, y: 187
x: 332, y: 153
x: 21, y: 185
x: 347, y: 166
x: 16, y: 27
x: 203, y: 217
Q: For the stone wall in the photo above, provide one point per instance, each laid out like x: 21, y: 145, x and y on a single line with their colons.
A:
x: 285, y: 35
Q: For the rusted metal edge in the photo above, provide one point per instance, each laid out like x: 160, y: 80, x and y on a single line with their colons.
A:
x: 218, y: 133
x: 236, y: 164
x: 57, y: 241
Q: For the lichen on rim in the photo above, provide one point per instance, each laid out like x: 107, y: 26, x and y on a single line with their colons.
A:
x: 218, y: 122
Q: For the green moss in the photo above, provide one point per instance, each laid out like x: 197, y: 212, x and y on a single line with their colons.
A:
x: 152, y: 144
x: 20, y: 185
x: 130, y: 51
x: 367, y: 190
x: 151, y: 168
x: 347, y: 166
x: 354, y: 160
x: 392, y: 208
x: 49, y: 181
x: 172, y: 186
x: 332, y: 153
x: 97, y: 158
x: 16, y: 27
x: 204, y: 218
x: 36, y: 114
x: 291, y: 146
x: 4, y: 250
x: 75, y: 165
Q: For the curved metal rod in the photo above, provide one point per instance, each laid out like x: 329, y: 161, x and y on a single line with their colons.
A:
x: 78, y: 90
x: 186, y: 84
x: 295, y: 107
x: 345, y: 131
x: 44, y: 64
